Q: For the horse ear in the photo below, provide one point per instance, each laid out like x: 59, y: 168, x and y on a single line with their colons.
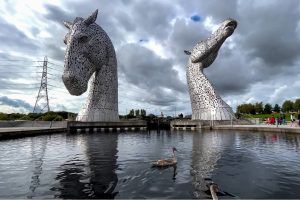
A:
x: 91, y: 19
x: 187, y: 52
x: 68, y: 24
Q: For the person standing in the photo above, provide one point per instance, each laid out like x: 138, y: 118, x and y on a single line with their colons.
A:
x: 280, y: 120
x: 299, y: 119
x: 273, y: 120
x: 292, y: 119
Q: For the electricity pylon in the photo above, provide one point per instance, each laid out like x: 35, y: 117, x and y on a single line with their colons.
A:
x: 42, y: 100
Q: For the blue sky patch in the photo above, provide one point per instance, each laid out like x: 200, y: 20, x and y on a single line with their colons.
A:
x: 143, y: 40
x: 196, y: 18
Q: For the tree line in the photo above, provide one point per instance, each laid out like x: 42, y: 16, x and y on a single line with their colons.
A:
x: 48, y: 116
x: 260, y: 108
x: 136, y: 113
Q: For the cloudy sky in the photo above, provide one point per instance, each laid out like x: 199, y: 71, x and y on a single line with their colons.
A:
x: 260, y: 62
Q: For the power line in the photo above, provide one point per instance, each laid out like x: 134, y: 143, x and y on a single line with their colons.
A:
x: 20, y: 88
x: 55, y: 69
x: 11, y: 65
x: 56, y: 64
x: 54, y: 86
x: 20, y: 72
x: 20, y: 60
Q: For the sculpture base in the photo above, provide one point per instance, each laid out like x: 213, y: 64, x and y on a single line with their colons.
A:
x: 222, y: 113
x: 98, y: 116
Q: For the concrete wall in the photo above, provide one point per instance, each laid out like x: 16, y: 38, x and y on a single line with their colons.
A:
x: 127, y: 123
x: 53, y: 124
x: 255, y: 120
x: 184, y: 124
x: 258, y: 128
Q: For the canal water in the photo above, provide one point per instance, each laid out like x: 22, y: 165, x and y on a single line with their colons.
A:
x: 118, y: 165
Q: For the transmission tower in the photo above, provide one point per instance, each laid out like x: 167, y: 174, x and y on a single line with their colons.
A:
x: 42, y: 101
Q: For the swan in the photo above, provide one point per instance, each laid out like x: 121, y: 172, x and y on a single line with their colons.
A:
x: 166, y: 162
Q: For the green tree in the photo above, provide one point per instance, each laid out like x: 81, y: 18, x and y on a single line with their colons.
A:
x: 130, y: 114
x: 259, y: 107
x: 137, y: 113
x: 287, y: 106
x: 34, y: 116
x: 143, y: 112
x: 268, y: 109
x: 3, y: 116
x: 51, y: 116
x: 297, y: 105
x: 246, y: 108
x: 15, y: 116
x: 276, y: 108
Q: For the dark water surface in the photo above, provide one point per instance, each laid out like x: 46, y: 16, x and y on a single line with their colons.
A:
x: 99, y: 165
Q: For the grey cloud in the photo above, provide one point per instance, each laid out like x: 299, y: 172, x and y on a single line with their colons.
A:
x: 158, y: 83
x: 16, y: 103
x: 14, y: 39
x: 17, y: 67
x: 141, y: 18
x: 108, y: 17
x: 157, y: 96
x: 55, y: 51
x: 231, y: 74
x: 269, y: 35
x: 35, y: 31
x: 153, y: 18
x: 56, y: 14
x: 59, y: 107
x: 219, y: 10
x: 183, y: 37
x: 142, y: 67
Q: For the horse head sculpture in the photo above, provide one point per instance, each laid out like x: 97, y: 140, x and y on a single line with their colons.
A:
x: 206, y: 103
x: 90, y: 57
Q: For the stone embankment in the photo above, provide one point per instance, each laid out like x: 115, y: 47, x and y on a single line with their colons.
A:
x: 18, y: 129
x: 258, y: 128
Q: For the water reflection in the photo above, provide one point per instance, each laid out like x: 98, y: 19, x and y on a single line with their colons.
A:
x: 174, y: 168
x: 38, y: 150
x: 207, y: 150
x: 99, y: 165
x: 266, y: 162
x: 137, y: 178
x: 95, y: 178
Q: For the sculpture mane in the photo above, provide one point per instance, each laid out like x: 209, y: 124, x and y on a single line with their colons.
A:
x: 90, y: 58
x: 206, y: 103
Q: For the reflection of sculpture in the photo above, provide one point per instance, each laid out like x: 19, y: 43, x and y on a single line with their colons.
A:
x: 90, y: 175
x: 206, y: 152
x: 206, y: 103
x: 90, y: 55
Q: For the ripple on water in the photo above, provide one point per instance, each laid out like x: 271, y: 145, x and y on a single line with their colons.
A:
x: 248, y: 165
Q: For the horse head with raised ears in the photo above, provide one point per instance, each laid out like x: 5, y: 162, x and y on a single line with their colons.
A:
x: 90, y: 52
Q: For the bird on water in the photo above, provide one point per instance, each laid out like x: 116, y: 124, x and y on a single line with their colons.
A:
x: 166, y: 162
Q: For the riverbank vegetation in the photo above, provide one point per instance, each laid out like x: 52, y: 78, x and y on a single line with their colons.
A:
x: 48, y: 116
x: 261, y: 110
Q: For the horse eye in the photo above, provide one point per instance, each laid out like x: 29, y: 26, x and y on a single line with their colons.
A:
x: 83, y: 39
